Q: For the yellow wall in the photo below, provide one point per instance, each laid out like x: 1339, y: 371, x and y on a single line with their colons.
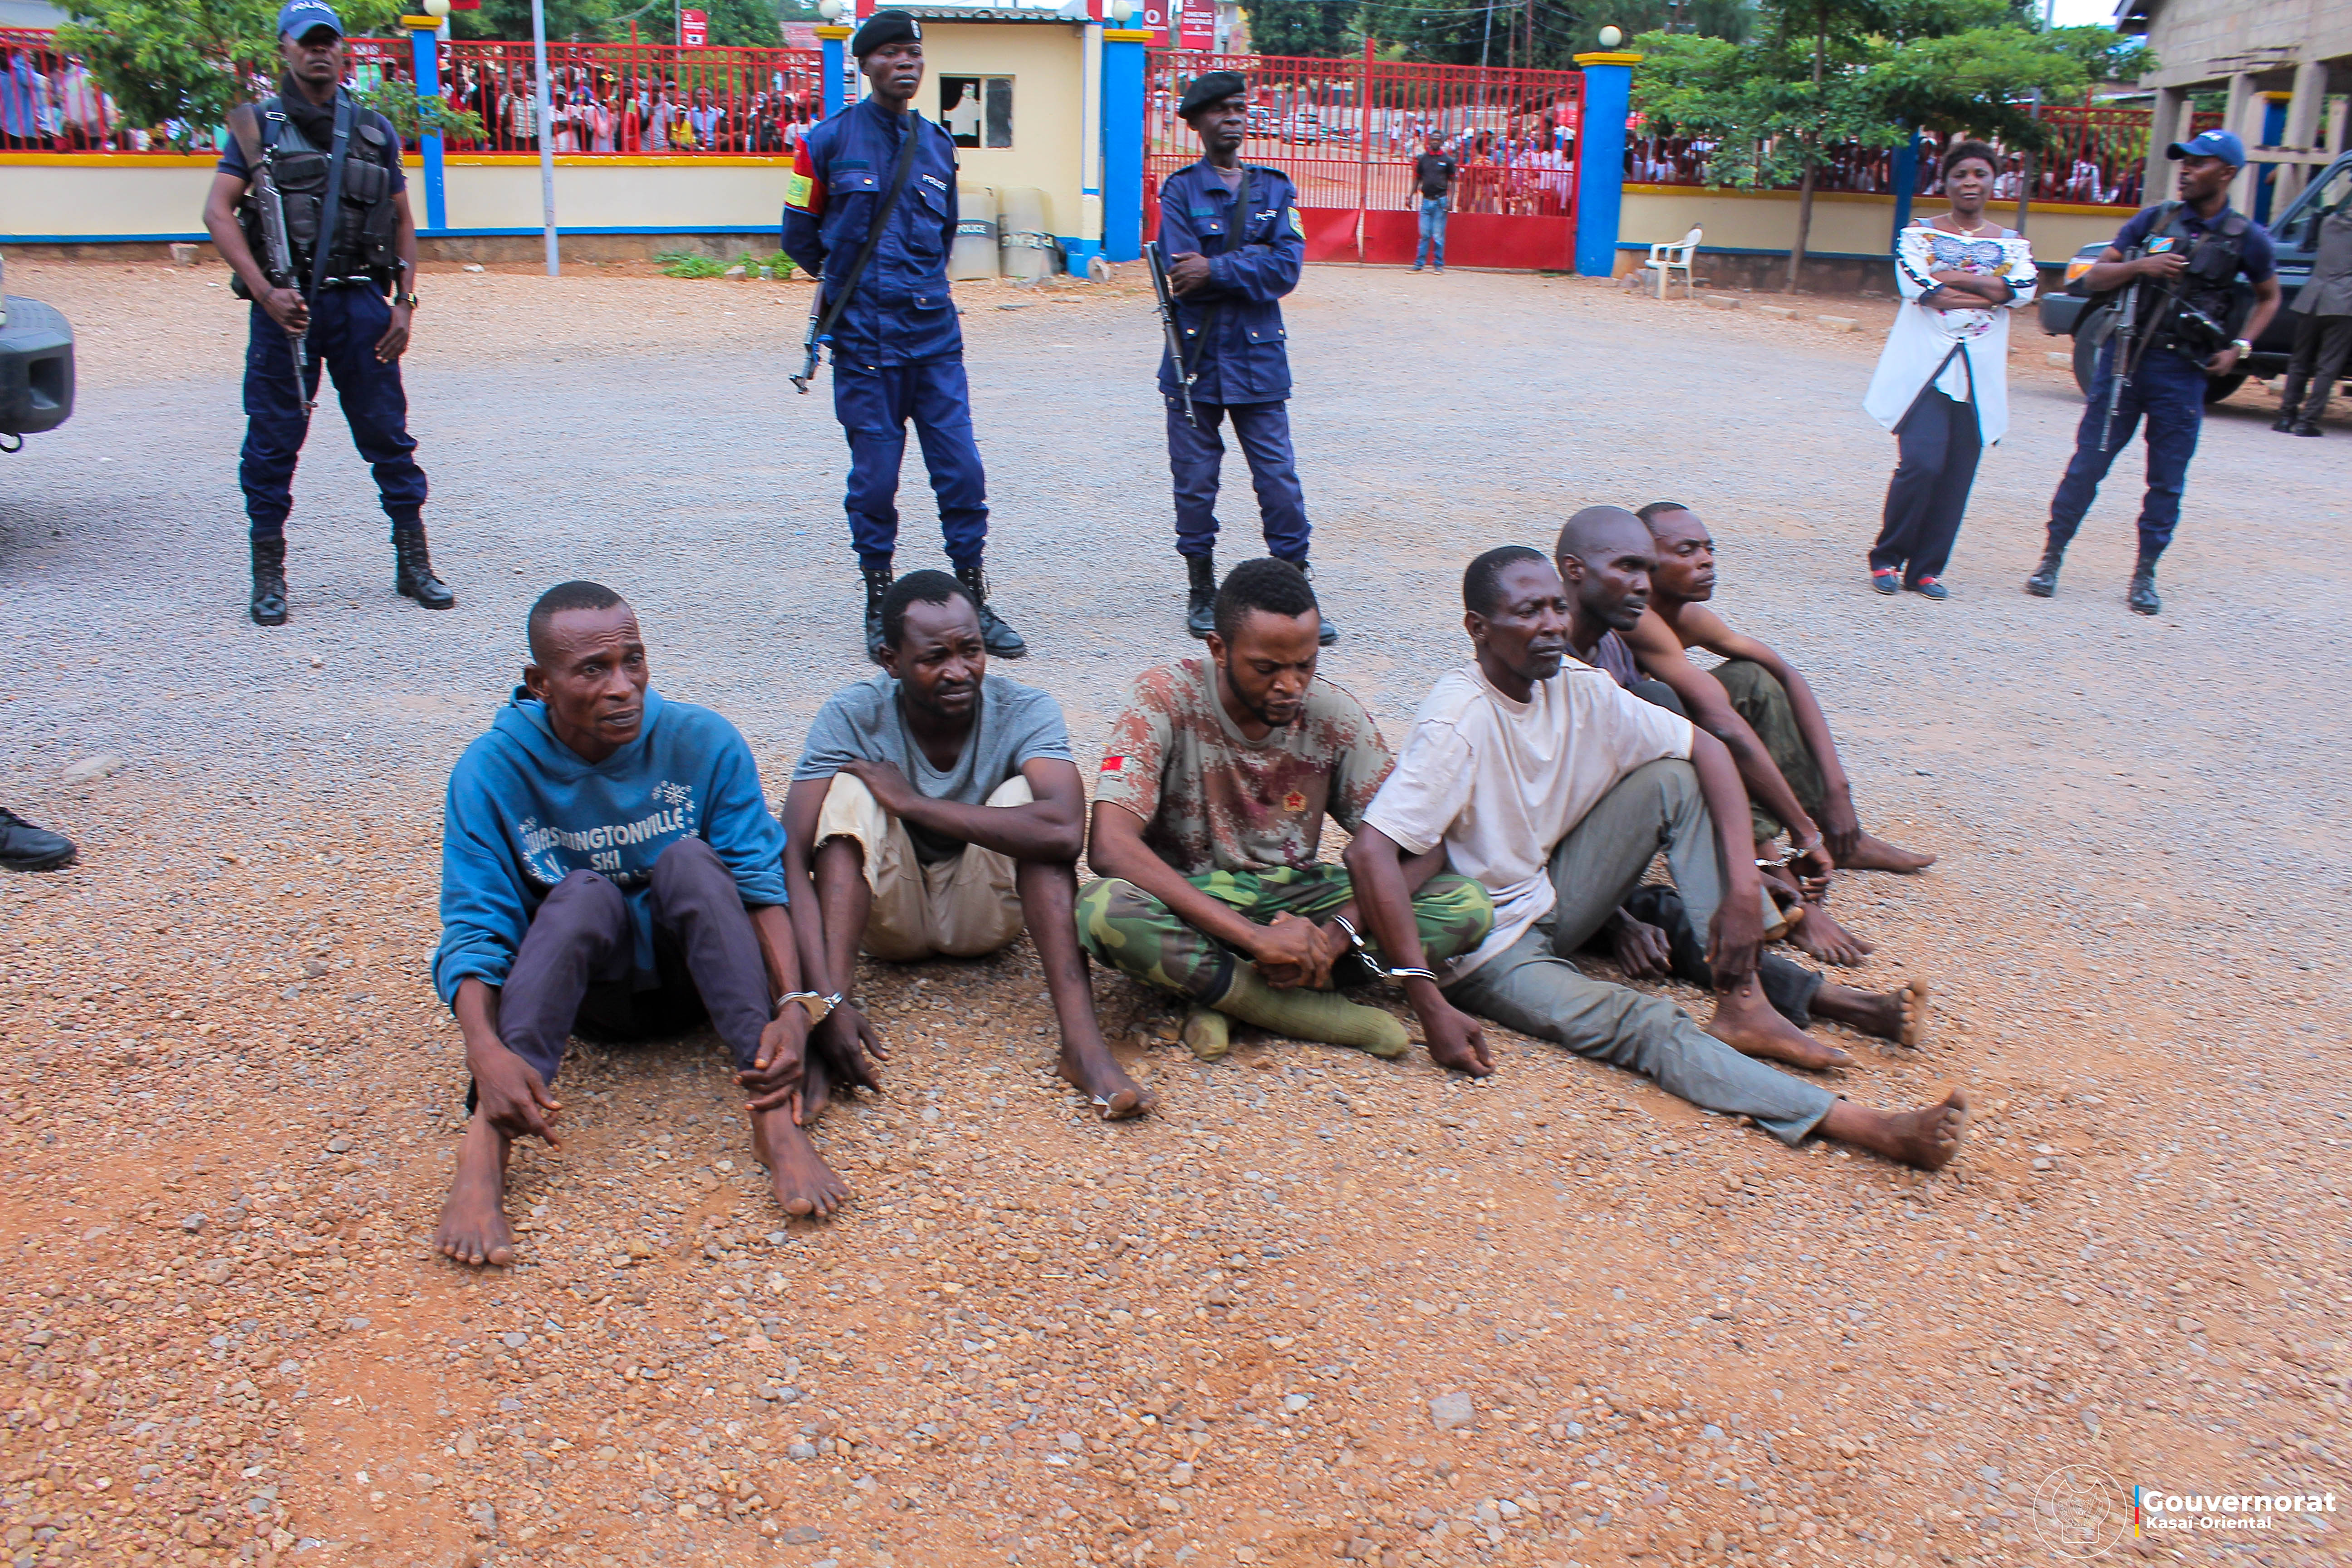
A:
x: 1044, y: 60
x: 1843, y: 222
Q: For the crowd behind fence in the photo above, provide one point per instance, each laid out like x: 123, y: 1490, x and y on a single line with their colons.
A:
x: 1347, y: 131
x: 616, y: 99
x: 2100, y: 161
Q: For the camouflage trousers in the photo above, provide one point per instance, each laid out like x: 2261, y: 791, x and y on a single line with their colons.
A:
x: 1142, y: 938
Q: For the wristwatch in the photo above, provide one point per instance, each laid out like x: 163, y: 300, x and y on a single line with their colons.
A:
x: 2243, y: 346
x: 408, y: 299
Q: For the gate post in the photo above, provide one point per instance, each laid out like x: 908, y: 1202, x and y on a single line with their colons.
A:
x: 1123, y: 134
x: 424, y: 42
x: 1600, y: 159
x: 835, y: 42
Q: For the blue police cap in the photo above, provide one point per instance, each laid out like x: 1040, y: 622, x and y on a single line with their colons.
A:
x: 884, y: 28
x: 301, y: 18
x: 2222, y: 144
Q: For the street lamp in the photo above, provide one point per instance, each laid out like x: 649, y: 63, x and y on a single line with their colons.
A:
x: 1118, y: 12
x: 1611, y: 37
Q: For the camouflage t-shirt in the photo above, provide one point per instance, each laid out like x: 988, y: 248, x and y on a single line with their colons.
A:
x: 1211, y: 799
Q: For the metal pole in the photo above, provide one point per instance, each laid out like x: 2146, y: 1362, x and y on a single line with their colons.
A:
x: 1364, y: 139
x: 546, y: 133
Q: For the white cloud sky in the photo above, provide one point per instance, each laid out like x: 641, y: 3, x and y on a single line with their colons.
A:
x: 2084, y: 13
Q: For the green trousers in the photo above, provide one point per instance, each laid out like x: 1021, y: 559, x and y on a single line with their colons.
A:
x: 1142, y: 938
x: 1763, y: 701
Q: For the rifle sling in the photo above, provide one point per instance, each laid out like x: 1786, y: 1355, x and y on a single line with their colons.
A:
x: 331, y: 211
x: 888, y: 204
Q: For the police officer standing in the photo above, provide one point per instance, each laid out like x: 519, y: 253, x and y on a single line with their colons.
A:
x: 2186, y: 258
x: 1234, y: 245
x: 323, y: 149
x: 858, y: 220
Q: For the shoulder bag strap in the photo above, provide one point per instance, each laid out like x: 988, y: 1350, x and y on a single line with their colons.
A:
x: 331, y: 211
x: 882, y: 211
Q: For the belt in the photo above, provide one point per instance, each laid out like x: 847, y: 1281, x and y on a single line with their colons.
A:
x: 361, y: 281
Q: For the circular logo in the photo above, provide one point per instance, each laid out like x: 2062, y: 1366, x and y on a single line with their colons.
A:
x: 2080, y: 1511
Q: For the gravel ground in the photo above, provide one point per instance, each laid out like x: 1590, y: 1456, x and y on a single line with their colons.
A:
x: 1320, y: 1306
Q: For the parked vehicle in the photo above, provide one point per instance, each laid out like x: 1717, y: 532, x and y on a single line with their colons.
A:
x: 2065, y: 313
x: 1304, y: 125
x: 36, y: 368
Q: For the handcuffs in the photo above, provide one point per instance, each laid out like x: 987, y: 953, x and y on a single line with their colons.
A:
x: 1364, y: 951
x: 818, y: 1007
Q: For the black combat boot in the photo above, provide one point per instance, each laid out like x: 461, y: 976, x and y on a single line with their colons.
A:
x: 1200, y: 599
x: 26, y: 847
x: 1003, y: 641
x: 2044, y: 581
x: 2142, y: 598
x: 2290, y: 401
x: 412, y: 570
x: 877, y: 584
x: 1330, y: 633
x: 269, y: 602
x: 2308, y: 428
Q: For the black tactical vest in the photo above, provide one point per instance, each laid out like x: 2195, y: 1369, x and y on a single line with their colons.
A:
x: 363, y: 240
x: 2209, y: 283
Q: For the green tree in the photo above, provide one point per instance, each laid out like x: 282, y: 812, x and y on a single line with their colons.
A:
x: 744, y: 24
x: 1319, y: 28
x: 188, y: 61
x: 576, y: 21
x: 1819, y: 74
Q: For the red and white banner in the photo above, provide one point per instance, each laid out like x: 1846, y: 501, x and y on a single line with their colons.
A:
x: 693, y: 29
x: 1197, y: 27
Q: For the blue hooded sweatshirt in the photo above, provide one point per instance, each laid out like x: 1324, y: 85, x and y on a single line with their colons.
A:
x: 524, y: 811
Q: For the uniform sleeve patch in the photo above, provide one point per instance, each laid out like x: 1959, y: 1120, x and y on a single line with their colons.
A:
x: 1114, y: 764
x: 1297, y: 224
x: 803, y: 192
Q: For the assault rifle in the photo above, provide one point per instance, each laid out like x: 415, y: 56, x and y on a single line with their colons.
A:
x: 2125, y: 339
x: 276, y: 255
x: 1184, y: 378
x: 811, y: 340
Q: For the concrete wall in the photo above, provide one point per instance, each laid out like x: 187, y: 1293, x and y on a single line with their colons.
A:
x: 2198, y: 41
x: 1044, y: 60
x: 1845, y: 225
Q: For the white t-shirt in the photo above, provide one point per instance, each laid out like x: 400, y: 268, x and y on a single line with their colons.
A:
x: 1501, y: 782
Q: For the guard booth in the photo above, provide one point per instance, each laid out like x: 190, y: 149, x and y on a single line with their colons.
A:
x: 1035, y: 100
x: 1346, y: 132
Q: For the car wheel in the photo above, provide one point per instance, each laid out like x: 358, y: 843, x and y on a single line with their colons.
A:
x: 2219, y: 387
x: 2087, y: 364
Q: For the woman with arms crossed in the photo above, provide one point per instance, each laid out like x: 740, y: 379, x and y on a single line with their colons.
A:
x: 1942, y: 383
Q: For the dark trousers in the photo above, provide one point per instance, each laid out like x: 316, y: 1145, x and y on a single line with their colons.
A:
x: 1788, y: 987
x: 576, y: 970
x: 2168, y: 390
x: 344, y: 326
x: 1196, y: 456
x: 2322, y: 345
x: 1938, y: 445
x: 874, y: 407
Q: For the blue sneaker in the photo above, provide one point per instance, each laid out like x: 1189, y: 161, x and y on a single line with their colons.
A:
x: 1929, y: 588
x: 1886, y: 580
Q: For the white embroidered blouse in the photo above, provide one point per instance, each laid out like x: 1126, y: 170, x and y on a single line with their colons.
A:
x: 1963, y: 354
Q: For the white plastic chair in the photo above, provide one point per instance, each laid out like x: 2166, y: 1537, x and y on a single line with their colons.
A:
x: 1666, y: 259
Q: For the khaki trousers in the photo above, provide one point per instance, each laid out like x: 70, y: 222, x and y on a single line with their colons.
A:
x: 960, y: 908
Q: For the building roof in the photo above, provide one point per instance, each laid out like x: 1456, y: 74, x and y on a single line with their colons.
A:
x: 1076, y: 11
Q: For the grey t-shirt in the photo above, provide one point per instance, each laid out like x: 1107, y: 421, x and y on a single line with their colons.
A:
x: 864, y: 723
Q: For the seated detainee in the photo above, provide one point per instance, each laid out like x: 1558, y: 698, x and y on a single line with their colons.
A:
x: 1605, y: 556
x: 1209, y: 810
x: 938, y: 811
x: 1768, y: 693
x: 1554, y: 787
x: 609, y: 868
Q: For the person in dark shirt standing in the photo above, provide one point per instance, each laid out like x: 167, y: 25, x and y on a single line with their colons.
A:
x: 2193, y: 253
x: 1234, y: 246
x: 2323, y: 338
x: 1433, y: 173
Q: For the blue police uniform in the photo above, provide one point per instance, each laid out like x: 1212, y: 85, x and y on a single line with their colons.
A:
x: 1233, y: 345
x: 2168, y: 390
x: 897, y: 349
x: 346, y: 320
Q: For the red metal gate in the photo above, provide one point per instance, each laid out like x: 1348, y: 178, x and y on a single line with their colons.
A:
x: 1346, y: 132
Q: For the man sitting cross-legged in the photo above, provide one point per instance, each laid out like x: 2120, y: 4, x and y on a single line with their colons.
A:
x: 1555, y: 788
x: 609, y: 868
x: 1209, y: 810
x: 938, y: 811
x: 1605, y: 556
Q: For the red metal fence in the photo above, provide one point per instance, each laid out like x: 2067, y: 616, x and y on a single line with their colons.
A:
x: 617, y: 99
x: 2100, y: 161
x: 1346, y: 132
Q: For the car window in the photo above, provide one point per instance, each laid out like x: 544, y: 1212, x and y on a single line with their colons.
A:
x: 2330, y: 195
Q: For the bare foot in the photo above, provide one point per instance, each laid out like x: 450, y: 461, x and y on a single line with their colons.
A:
x: 1926, y: 1139
x: 1746, y: 1022
x: 473, y: 1228
x: 1900, y: 1014
x: 1818, y: 935
x: 816, y: 1088
x: 1877, y: 854
x: 805, y: 1186
x: 1097, y: 1074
